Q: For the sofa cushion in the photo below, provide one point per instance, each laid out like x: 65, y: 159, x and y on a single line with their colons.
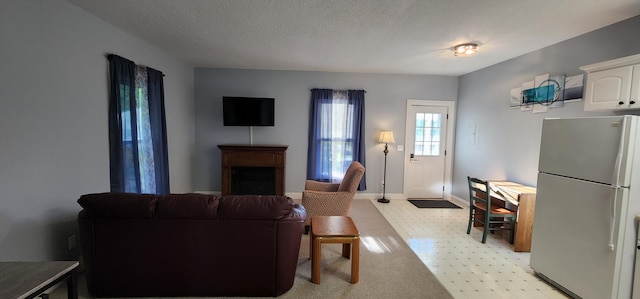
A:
x: 187, y: 206
x: 256, y: 207
x: 118, y: 205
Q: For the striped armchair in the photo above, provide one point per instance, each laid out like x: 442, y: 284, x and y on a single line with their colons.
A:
x: 329, y: 199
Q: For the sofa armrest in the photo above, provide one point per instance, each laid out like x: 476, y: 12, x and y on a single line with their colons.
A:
x: 321, y: 186
x: 297, y: 213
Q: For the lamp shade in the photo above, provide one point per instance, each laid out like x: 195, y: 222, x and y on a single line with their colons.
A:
x: 386, y: 137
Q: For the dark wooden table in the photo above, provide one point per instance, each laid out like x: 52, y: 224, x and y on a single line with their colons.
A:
x: 30, y: 279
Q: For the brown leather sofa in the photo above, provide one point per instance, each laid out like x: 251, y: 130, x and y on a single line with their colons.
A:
x: 141, y: 245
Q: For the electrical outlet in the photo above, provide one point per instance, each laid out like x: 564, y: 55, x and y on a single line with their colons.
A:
x: 73, y: 242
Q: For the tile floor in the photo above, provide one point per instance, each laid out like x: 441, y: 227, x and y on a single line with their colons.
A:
x: 465, y: 266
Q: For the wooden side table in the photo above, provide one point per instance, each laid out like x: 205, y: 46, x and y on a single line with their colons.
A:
x: 334, y: 229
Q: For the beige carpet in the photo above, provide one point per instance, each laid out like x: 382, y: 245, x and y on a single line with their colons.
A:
x: 388, y: 267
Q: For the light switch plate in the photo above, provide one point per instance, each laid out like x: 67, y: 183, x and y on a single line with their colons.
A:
x: 400, y: 148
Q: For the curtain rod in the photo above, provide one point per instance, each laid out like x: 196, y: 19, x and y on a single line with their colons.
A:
x: 110, y: 54
x: 338, y: 89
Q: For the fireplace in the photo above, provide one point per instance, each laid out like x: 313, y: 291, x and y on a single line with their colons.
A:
x: 253, y: 169
x: 253, y: 180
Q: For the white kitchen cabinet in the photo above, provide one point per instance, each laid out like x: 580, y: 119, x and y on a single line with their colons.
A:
x: 613, y: 84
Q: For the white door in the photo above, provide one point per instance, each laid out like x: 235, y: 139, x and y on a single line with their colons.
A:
x: 426, y: 141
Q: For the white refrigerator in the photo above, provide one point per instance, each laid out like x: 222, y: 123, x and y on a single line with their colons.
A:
x: 588, y: 194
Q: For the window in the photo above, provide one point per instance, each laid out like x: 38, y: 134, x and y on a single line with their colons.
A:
x: 142, y: 140
x: 336, y: 137
x: 336, y: 134
x: 137, y: 129
x: 427, y: 141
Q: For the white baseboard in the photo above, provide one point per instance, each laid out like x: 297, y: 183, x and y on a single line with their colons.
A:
x: 390, y: 196
x: 298, y: 195
x: 459, y: 200
x: 363, y: 195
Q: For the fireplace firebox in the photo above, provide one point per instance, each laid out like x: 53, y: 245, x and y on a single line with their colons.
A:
x: 253, y: 169
x: 253, y: 180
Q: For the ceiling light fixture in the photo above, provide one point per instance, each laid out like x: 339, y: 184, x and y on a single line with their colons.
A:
x: 467, y: 49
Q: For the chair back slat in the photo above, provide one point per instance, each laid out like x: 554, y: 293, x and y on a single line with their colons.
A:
x: 479, y: 191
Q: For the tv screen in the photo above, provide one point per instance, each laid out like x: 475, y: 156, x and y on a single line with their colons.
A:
x: 246, y: 111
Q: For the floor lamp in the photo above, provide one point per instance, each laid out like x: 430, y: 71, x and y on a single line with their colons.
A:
x: 386, y: 137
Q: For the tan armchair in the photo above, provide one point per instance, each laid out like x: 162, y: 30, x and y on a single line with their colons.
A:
x: 330, y: 199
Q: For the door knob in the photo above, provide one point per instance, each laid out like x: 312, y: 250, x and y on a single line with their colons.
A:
x: 411, y: 156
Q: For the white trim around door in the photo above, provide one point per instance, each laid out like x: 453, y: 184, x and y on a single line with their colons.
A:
x: 449, y: 106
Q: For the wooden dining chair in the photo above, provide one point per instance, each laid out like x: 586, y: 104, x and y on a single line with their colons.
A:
x: 491, y: 216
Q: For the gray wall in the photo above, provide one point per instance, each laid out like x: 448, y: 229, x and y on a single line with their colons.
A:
x: 509, y: 140
x: 53, y: 120
x: 385, y: 103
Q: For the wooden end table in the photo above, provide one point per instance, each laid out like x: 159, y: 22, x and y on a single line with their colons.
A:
x: 334, y: 229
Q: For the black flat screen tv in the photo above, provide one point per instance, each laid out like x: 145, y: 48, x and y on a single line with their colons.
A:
x: 247, y: 111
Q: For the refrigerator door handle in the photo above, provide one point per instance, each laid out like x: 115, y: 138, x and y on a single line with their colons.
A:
x: 613, y: 205
x: 615, y: 177
x: 615, y: 184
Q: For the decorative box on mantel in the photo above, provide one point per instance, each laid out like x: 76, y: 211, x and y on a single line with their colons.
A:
x: 253, y: 169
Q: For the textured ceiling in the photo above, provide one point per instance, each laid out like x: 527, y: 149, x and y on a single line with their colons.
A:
x: 368, y: 36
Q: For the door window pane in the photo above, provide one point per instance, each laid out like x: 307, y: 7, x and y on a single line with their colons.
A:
x: 427, y: 139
